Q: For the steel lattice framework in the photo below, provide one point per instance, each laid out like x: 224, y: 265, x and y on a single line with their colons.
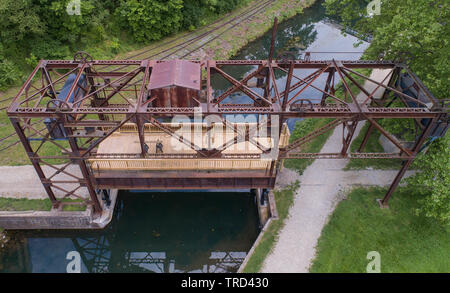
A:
x: 116, y: 92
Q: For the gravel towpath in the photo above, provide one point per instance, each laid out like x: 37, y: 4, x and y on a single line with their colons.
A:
x: 323, y: 184
x: 23, y: 181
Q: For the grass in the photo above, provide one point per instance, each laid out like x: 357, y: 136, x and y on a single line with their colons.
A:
x: 372, y: 146
x: 23, y: 204
x: 73, y: 207
x: 341, y: 90
x: 406, y: 242
x: 301, y: 129
x: 284, y: 199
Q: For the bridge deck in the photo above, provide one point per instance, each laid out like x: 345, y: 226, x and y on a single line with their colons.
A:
x: 126, y: 141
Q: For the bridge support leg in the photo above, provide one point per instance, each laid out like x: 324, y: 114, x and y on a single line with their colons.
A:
x: 263, y: 205
x: 35, y: 162
x: 384, y: 202
x: 84, y: 172
x: 366, y: 138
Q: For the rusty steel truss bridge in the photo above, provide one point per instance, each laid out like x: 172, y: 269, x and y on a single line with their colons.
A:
x: 67, y: 108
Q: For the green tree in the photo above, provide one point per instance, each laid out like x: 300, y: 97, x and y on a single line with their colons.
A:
x: 8, y: 73
x: 415, y: 29
x: 19, y: 20
x: 196, y: 11
x: 433, y: 180
x: 151, y: 19
x: 416, y: 32
x: 73, y: 29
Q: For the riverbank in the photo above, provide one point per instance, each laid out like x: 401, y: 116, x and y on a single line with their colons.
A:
x: 230, y: 43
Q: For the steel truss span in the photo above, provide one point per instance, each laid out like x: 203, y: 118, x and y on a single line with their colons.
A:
x: 72, y: 106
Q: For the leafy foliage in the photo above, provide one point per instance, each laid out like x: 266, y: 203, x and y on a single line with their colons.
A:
x: 192, y: 13
x: 152, y: 19
x: 42, y: 29
x: 415, y: 32
x: 20, y: 20
x: 433, y: 181
x: 8, y: 73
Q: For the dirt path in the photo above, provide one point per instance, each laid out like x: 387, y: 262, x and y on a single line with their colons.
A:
x: 322, y: 185
x: 23, y: 182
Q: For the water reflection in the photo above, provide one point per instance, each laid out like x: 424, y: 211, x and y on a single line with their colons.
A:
x: 307, y: 32
x: 151, y: 232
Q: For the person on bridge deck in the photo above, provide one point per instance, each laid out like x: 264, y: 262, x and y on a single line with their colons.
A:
x: 159, y: 147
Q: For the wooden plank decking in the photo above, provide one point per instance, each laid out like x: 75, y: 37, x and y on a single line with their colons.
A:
x: 126, y: 141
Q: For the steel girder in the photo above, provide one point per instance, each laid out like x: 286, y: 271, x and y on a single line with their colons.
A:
x: 117, y: 92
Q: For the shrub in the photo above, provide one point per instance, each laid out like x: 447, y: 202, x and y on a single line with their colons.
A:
x: 151, y: 19
x: 432, y: 182
x: 8, y: 74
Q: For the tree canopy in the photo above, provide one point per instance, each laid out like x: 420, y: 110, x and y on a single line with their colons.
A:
x: 432, y: 183
x: 42, y: 29
x: 415, y: 32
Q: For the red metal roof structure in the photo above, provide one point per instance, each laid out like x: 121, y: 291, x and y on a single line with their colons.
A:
x: 180, y: 73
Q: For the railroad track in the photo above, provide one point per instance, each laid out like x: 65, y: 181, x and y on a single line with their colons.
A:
x: 181, y: 47
x: 201, y: 37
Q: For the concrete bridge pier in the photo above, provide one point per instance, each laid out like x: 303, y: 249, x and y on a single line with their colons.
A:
x: 265, y: 201
x: 57, y: 218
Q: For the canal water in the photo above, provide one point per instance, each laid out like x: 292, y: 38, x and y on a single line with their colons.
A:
x: 310, y: 31
x: 180, y: 231
x: 150, y: 232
